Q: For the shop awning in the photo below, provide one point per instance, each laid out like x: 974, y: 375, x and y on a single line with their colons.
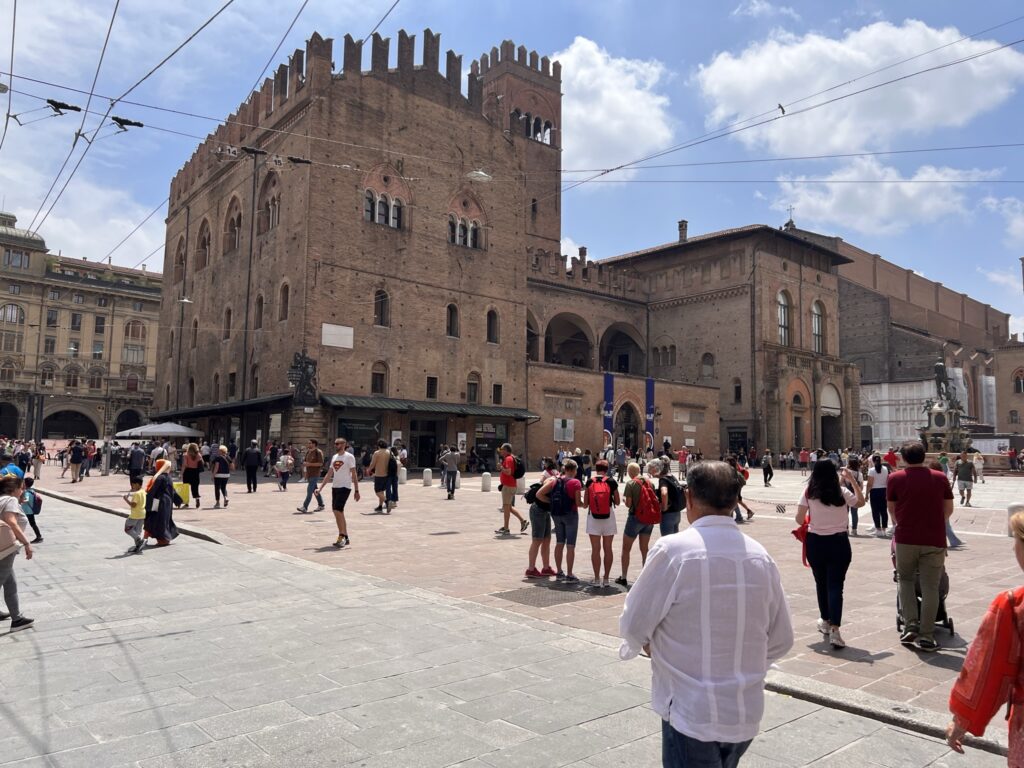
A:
x: 214, y: 409
x: 427, y: 406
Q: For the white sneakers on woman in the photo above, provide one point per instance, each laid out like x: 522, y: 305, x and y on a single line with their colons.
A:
x: 832, y: 633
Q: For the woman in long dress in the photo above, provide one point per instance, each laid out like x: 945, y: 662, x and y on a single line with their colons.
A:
x: 160, y: 501
x: 993, y: 672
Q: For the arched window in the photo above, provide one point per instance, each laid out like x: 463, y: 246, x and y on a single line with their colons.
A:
x: 1018, y: 382
x: 473, y: 388
x: 492, y: 327
x: 254, y: 380
x: 131, y: 383
x: 134, y: 330
x: 227, y: 323
x: 383, y: 210
x: 216, y: 388
x: 548, y: 129
x: 12, y: 314
x: 282, y: 302
x: 463, y: 236
x: 474, y: 235
x: 179, y: 260
x: 1014, y: 417
x: 191, y: 392
x: 672, y: 355
x: 203, y: 246
x: 514, y: 120
x: 7, y: 373
x: 396, y: 214
x: 784, y: 305
x: 797, y: 400
x: 707, y: 366
x: 369, y: 206
x: 257, y: 315
x: 382, y: 309
x: 269, y: 215
x: 195, y: 333
x: 96, y: 380
x: 46, y: 376
x: 453, y: 227
x: 527, y: 124
x: 538, y: 128
x: 379, y: 379
x: 452, y: 321
x: 737, y: 391
x: 71, y: 378
x: 656, y: 357
x: 818, y: 328
x: 233, y: 226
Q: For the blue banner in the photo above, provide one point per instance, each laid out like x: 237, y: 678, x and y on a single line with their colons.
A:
x: 608, y: 412
x: 649, y: 424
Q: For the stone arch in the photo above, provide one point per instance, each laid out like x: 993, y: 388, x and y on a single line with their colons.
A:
x: 622, y: 349
x: 129, y: 418
x: 9, y: 416
x: 533, y: 338
x: 465, y: 205
x: 628, y: 424
x: 386, y: 179
x: 796, y: 429
x: 569, y: 340
x: 66, y: 420
x: 830, y: 406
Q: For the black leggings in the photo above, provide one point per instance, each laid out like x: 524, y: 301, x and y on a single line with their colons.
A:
x: 879, y: 510
x: 220, y: 488
x: 829, y: 558
x: 191, y: 476
x: 35, y: 527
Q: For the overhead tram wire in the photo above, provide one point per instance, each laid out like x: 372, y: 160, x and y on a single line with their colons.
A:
x: 284, y: 37
x: 137, y: 228
x: 114, y: 102
x: 382, y: 19
x: 79, y: 134
x: 10, y: 82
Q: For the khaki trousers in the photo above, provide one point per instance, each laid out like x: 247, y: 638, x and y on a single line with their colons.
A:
x: 913, y: 560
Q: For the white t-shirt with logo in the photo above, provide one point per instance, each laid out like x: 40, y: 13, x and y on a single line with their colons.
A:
x: 342, y: 464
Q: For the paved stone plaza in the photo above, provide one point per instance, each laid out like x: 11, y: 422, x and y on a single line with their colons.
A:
x: 223, y: 655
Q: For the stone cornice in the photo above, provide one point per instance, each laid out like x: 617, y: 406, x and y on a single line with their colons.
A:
x: 701, y: 298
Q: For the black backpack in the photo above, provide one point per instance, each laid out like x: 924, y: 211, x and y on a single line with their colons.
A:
x: 561, y: 503
x: 531, y: 493
x: 520, y: 469
x: 676, y: 500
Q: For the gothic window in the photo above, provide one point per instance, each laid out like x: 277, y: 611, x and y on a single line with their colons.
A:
x: 227, y: 323
x: 369, y: 206
x: 656, y: 356
x: 233, y: 226
x: 269, y: 209
x: 784, y: 305
x: 396, y: 214
x: 707, y: 366
x: 453, y: 227
x: 452, y: 321
x: 474, y: 235
x: 191, y: 392
x: 538, y: 129
x: 179, y: 260
x: 463, y: 235
x: 818, y: 328
x: 514, y: 120
x: 737, y: 391
x: 383, y: 210
x: 282, y: 305
x: 548, y: 130
x: 254, y: 379
x: 1018, y: 383
x: 492, y: 327
x: 203, y: 246
x: 195, y: 333
x: 257, y: 315
x: 382, y: 309
x: 672, y: 355
x: 379, y: 379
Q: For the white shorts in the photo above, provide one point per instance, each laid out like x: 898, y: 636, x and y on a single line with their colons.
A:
x: 964, y: 485
x: 604, y: 527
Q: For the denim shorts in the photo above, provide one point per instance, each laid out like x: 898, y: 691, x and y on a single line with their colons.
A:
x: 566, y: 528
x: 540, y: 522
x: 634, y: 528
x: 670, y: 522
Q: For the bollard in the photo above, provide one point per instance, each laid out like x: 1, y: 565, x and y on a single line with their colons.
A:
x: 428, y: 477
x: 403, y: 475
x: 458, y: 480
x: 521, y: 485
x: 485, y: 481
x: 1010, y: 512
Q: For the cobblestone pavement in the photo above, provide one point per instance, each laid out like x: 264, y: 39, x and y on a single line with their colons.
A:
x: 449, y: 548
x: 207, y: 655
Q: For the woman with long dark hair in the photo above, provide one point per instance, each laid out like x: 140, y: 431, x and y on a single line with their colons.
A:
x: 878, y: 479
x: 828, y: 543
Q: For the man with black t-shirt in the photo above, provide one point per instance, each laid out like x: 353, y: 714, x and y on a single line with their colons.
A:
x: 252, y: 459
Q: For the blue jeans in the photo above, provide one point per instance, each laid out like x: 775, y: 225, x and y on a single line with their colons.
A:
x: 670, y: 522
x: 391, y: 489
x: 449, y: 481
x: 311, y: 485
x: 681, y: 751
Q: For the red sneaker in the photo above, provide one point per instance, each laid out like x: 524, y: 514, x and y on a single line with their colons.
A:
x: 533, y: 573
x: 549, y: 571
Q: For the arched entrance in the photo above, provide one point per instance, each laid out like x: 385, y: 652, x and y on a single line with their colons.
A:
x: 621, y: 351
x: 867, y: 436
x: 64, y: 425
x: 128, y: 420
x: 8, y: 420
x: 627, y: 427
x: 831, y: 418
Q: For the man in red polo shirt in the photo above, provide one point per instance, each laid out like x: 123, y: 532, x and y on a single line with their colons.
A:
x: 890, y: 458
x: 920, y: 501
x: 507, y: 484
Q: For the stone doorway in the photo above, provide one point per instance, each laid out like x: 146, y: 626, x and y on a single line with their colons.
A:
x: 627, y: 427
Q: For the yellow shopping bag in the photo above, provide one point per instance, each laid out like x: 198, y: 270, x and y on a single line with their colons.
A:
x: 182, y: 489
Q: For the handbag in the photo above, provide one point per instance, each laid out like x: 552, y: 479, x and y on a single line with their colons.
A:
x: 800, y: 534
x: 9, y: 544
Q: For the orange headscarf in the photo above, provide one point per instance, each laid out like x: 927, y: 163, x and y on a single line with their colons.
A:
x: 162, y: 466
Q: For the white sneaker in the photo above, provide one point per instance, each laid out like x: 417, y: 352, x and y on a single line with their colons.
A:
x: 823, y: 627
x: 595, y: 582
x: 836, y: 639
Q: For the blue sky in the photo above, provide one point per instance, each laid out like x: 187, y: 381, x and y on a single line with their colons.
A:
x: 638, y: 78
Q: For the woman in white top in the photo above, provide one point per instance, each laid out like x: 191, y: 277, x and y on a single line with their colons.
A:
x: 828, y: 543
x: 14, y: 522
x: 878, y: 478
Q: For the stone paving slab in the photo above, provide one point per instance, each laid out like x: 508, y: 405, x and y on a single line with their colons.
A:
x: 448, y: 548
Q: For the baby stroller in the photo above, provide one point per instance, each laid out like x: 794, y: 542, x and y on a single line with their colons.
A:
x: 942, y: 619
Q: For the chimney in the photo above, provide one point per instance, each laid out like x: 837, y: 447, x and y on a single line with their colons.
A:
x: 583, y: 254
x: 682, y: 230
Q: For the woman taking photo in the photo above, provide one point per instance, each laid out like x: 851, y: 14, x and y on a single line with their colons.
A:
x: 828, y: 543
x: 878, y: 478
x: 993, y: 672
x: 192, y: 466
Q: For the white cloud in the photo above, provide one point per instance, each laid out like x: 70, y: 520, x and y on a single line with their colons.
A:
x: 1003, y: 278
x: 1017, y: 324
x: 759, y: 9
x: 785, y: 68
x: 1012, y: 211
x: 878, y: 208
x: 570, y: 247
x: 611, y: 112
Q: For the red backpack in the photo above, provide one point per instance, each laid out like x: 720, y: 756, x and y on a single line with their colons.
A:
x: 648, y: 508
x: 599, y: 496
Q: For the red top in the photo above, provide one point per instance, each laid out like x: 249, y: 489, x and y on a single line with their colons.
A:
x: 919, y: 493
x: 805, y: 456
x: 508, y: 470
x: 890, y: 459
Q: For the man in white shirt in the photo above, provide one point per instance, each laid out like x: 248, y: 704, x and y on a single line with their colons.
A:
x: 344, y: 478
x: 710, y: 610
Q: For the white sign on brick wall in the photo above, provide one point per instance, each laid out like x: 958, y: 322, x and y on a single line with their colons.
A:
x: 565, y: 430
x: 340, y: 336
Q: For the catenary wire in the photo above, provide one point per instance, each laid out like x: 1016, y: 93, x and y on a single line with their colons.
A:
x: 382, y: 19
x: 113, y: 102
x: 10, y: 82
x: 284, y: 37
x: 137, y: 228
